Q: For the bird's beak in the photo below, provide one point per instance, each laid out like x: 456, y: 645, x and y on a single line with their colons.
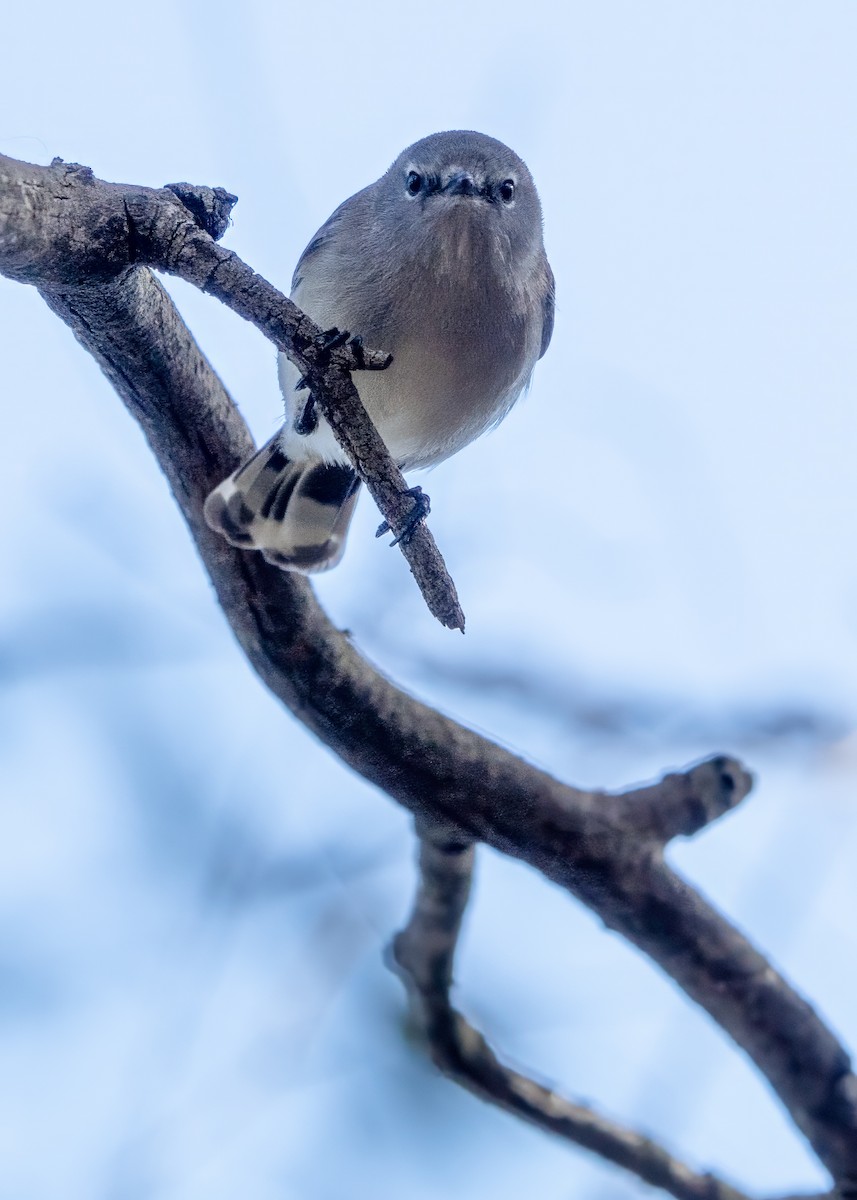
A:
x: 461, y: 184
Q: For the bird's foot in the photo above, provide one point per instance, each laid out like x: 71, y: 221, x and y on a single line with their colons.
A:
x: 306, y: 420
x: 421, y: 509
x: 329, y: 341
x: 358, y: 350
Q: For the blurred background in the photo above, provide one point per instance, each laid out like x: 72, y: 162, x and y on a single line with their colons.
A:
x: 655, y: 553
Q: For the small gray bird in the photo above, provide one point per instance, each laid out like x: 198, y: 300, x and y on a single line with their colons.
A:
x: 440, y: 262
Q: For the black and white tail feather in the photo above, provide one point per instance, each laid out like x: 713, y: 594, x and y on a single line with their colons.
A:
x: 296, y: 513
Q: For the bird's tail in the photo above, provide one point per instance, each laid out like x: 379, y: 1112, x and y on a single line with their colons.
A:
x: 296, y: 513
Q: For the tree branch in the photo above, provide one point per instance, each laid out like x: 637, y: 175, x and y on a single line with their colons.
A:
x: 607, y: 850
x: 423, y: 955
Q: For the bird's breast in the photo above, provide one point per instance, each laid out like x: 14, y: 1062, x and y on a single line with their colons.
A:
x: 461, y: 356
x: 455, y: 318
x: 465, y: 347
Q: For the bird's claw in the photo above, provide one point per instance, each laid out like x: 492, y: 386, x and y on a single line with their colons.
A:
x: 421, y: 509
x: 306, y: 420
x: 329, y: 341
x: 356, y: 346
x: 358, y: 349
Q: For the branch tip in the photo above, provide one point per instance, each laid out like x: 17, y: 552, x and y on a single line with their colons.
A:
x: 683, y: 803
x: 210, y: 208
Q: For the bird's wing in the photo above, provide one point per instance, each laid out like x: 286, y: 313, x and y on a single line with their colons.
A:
x: 548, y: 308
x: 324, y: 238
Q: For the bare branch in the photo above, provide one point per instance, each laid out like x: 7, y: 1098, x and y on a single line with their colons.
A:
x: 423, y: 955
x: 607, y: 850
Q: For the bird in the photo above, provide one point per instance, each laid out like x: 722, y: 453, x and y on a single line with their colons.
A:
x: 440, y: 262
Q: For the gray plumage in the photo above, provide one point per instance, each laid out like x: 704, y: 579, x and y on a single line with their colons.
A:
x: 440, y: 262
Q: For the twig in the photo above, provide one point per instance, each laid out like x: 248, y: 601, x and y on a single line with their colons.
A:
x: 423, y: 955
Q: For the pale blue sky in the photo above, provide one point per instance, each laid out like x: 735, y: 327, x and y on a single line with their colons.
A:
x: 193, y: 895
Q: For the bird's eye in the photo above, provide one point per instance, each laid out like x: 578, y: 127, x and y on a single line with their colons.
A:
x: 507, y: 191
x: 414, y: 183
